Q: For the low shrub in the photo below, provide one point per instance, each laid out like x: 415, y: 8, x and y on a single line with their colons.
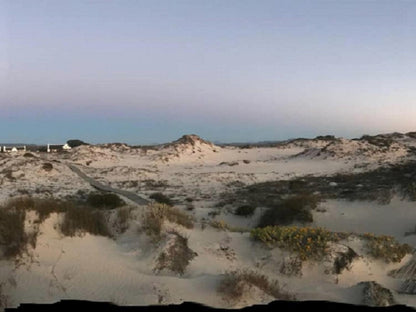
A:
x: 105, y: 200
x: 295, y: 208
x: 28, y: 155
x: 245, y: 210
x: 386, y: 247
x: 309, y: 243
x: 47, y: 166
x: 76, y: 143
x: 84, y: 219
x: 177, y: 257
x: 235, y: 283
x: 161, y: 198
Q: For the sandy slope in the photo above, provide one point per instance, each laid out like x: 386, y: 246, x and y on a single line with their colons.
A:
x: 121, y: 270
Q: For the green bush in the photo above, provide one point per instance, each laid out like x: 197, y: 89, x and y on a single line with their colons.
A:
x: 245, y: 210
x: 161, y: 198
x: 84, y: 219
x: 295, y: 208
x: 386, y: 247
x: 309, y: 243
x: 235, y: 283
x: 105, y: 200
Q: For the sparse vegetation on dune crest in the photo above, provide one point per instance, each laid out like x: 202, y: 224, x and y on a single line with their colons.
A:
x: 43, y: 206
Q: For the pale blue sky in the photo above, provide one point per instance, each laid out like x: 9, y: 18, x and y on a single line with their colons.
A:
x: 150, y: 71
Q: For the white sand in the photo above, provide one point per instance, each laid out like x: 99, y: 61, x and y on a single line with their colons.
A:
x: 121, y: 270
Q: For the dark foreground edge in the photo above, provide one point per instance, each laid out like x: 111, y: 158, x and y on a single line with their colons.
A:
x: 76, y: 305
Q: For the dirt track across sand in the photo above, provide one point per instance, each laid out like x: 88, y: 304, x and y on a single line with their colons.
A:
x: 132, y: 196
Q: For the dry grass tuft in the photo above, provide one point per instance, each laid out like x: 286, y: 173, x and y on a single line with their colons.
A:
x: 224, y: 226
x: 123, y: 216
x: 156, y: 214
x: 43, y: 206
x: 13, y: 239
x: 84, y: 219
x: 235, y: 283
x: 177, y: 257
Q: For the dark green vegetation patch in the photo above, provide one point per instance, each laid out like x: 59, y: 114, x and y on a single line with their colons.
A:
x: 105, y: 200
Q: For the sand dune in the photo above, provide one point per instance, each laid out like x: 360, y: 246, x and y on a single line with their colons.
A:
x: 197, y: 176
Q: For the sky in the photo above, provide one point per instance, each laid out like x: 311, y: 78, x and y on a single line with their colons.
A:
x: 145, y: 72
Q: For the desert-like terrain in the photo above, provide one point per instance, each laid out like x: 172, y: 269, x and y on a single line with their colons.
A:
x: 224, y: 225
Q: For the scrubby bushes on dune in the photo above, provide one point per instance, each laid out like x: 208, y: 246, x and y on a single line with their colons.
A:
x: 177, y: 256
x: 312, y: 243
x: 309, y: 243
x: 293, y: 209
x: 236, y: 283
x: 386, y: 247
x: 155, y: 216
x: 161, y: 199
x: 77, y: 219
x: 245, y: 210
